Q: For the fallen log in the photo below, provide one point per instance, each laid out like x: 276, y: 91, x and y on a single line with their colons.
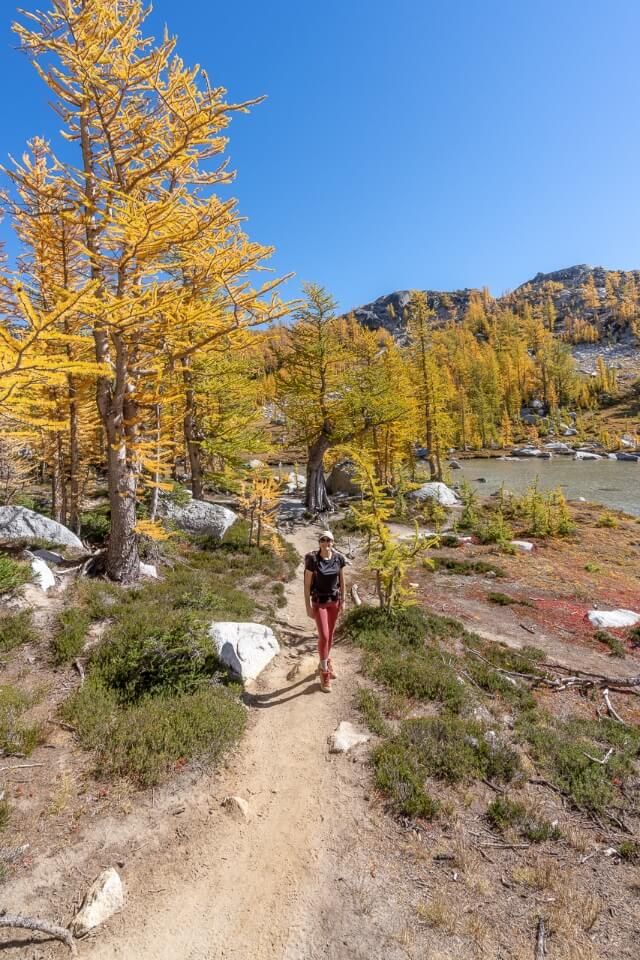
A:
x: 39, y: 926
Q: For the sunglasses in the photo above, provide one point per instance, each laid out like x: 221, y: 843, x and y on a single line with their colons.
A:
x: 325, y: 540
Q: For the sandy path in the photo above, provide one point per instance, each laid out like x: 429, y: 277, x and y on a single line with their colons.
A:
x: 237, y: 890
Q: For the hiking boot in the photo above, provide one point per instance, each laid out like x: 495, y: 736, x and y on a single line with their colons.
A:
x: 325, y: 681
x: 332, y: 675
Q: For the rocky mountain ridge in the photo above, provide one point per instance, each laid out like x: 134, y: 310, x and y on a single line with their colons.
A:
x: 567, y: 289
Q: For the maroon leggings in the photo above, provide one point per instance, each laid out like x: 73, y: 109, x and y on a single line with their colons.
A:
x: 325, y: 615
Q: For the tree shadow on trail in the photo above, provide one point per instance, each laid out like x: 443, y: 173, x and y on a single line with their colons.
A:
x: 276, y: 697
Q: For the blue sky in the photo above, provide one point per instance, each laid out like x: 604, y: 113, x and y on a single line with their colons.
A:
x: 414, y: 143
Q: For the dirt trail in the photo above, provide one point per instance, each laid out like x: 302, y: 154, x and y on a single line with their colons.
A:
x: 237, y: 890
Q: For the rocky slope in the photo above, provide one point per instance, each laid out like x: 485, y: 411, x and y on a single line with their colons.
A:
x: 618, y: 294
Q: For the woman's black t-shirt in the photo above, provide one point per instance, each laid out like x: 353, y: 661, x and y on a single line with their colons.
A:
x: 325, y: 585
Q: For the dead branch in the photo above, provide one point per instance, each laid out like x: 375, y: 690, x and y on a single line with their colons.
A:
x: 505, y: 846
x: 355, y: 596
x: 528, y: 629
x: 604, y: 760
x: 579, y: 679
x: 79, y: 667
x: 41, y: 926
x: 611, y: 708
x: 541, y: 949
x: 22, y: 766
x: 493, y: 786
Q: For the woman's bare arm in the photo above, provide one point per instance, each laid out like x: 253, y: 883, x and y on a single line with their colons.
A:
x: 308, y: 580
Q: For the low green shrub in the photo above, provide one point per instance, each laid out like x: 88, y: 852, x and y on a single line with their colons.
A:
x: 99, y: 598
x: 419, y: 674
x: 467, y: 568
x: 28, y: 502
x: 370, y: 706
x: 562, y: 750
x: 504, y: 813
x: 401, y: 779
x: 13, y: 573
x: 146, y: 740
x: 450, y: 540
x: 502, y: 599
x: 497, y: 684
x: 153, y: 650
x: 607, y: 519
x: 372, y: 627
x: 156, y: 692
x: 16, y: 629
x: 70, y: 634
x: 5, y: 814
x: 16, y: 736
x: 402, y: 651
x: 456, y: 750
x: 615, y: 644
x: 95, y: 525
x: 629, y: 851
x: 278, y: 591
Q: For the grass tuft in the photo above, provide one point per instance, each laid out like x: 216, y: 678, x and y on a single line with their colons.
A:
x: 16, y: 629
x: 370, y: 706
x: 70, y: 634
x: 16, y: 736
x: 615, y: 644
x: 399, y: 776
x: 505, y: 814
x: 5, y: 814
x: 13, y: 573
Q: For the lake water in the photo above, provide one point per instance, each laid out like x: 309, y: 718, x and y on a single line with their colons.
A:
x: 614, y: 483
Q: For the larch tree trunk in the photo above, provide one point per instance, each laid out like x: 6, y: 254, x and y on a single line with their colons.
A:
x: 155, y: 491
x: 191, y: 435
x: 317, y: 499
x: 57, y: 481
x: 123, y: 559
x: 74, y: 461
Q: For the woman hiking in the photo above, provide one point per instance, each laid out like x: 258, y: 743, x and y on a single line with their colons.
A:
x: 324, y: 597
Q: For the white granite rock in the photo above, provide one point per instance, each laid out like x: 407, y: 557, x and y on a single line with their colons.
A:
x: 613, y: 618
x: 436, y: 491
x: 198, y: 517
x: 346, y: 737
x: 105, y: 897
x: 246, y: 648
x: 237, y: 807
x: 42, y: 575
x: 18, y: 523
x: 524, y: 546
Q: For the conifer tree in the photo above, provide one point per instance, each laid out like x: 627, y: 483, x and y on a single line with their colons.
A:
x: 149, y: 134
x: 430, y: 382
